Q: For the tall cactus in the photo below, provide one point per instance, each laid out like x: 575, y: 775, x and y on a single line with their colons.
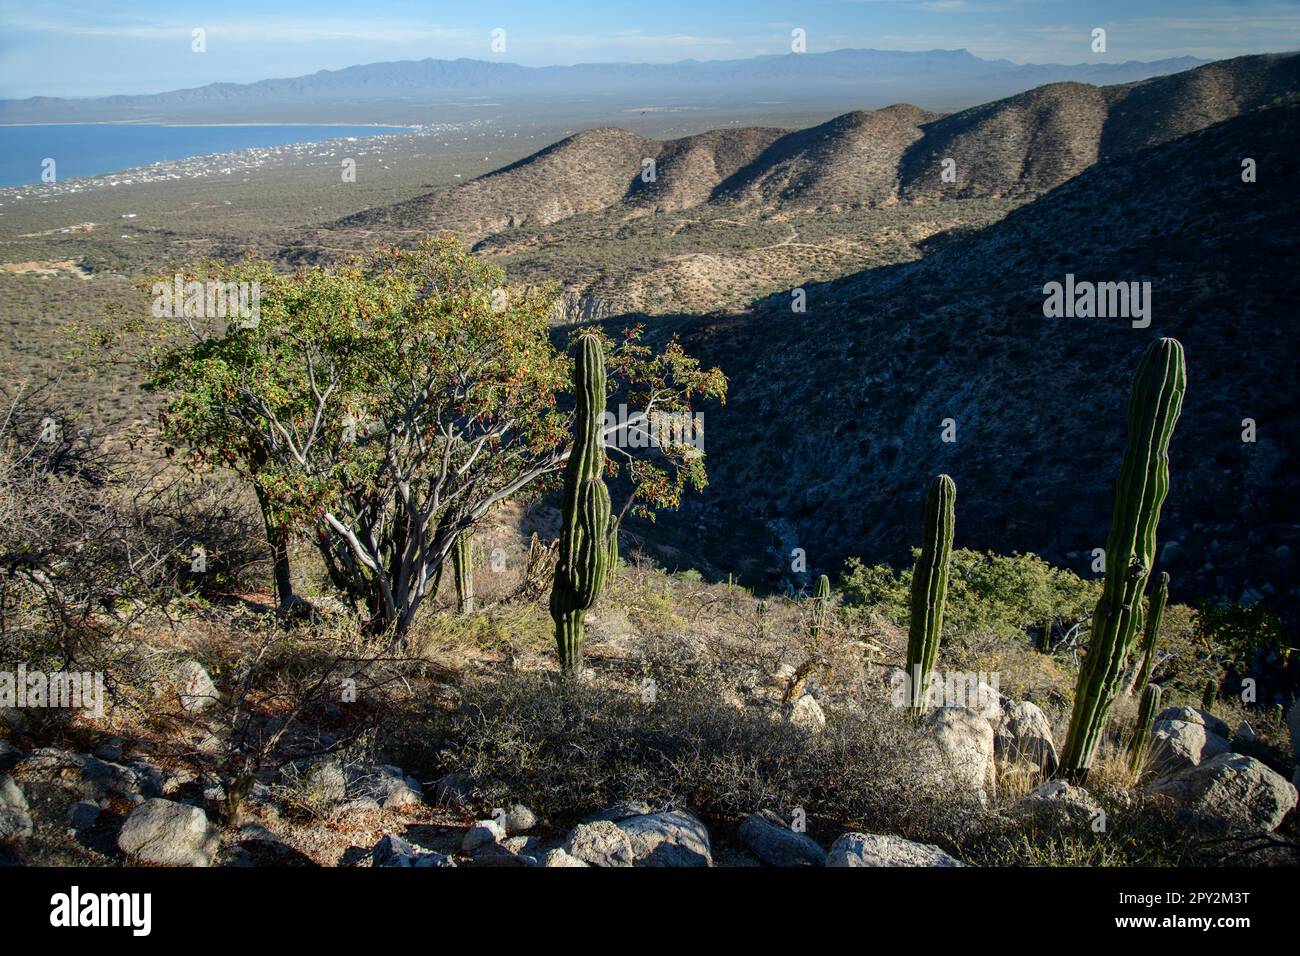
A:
x: 930, y: 589
x: 462, y: 559
x: 1159, y: 597
x: 589, y: 540
x: 1143, y: 484
x: 1141, y: 742
x: 821, y: 606
x: 1210, y: 695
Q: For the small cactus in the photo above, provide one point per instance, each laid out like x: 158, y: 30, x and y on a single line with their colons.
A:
x: 1140, y: 492
x: 1045, y: 636
x: 1141, y: 742
x: 589, y: 539
x: 462, y: 559
x: 821, y: 607
x: 1210, y: 695
x: 1154, y: 615
x: 930, y: 589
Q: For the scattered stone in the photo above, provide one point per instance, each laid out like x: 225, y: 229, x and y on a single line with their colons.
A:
x: 806, y: 713
x: 194, y: 686
x: 601, y: 843
x: 1059, y: 802
x: 15, y: 821
x: 1231, y: 791
x: 88, y: 778
x: 965, y: 744
x: 388, y: 786
x: 1024, y: 735
x: 393, y: 851
x: 1183, y: 739
x: 83, y: 814
x: 871, y: 849
x: 326, y: 781
x: 769, y: 839
x: 160, y: 831
x: 110, y: 750
x: 673, y: 838
x: 484, y: 833
x: 519, y: 819
x: 522, y: 845
x: 559, y: 857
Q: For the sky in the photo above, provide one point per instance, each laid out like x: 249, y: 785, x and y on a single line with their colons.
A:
x: 102, y: 47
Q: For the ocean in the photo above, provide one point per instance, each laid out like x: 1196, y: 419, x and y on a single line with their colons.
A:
x: 92, y: 149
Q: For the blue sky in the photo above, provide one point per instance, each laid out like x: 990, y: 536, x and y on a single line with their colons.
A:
x: 99, y: 47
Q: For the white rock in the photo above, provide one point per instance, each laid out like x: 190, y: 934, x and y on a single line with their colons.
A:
x: 1060, y: 803
x: 160, y: 831
x: 484, y: 833
x: 194, y: 686
x: 1024, y: 735
x: 872, y: 849
x: 673, y: 838
x: 15, y: 820
x: 965, y: 744
x: 807, y: 713
x: 1178, y: 744
x: 600, y: 843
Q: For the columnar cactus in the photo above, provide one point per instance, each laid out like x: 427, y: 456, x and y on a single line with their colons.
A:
x: 1210, y: 695
x: 1155, y: 613
x: 1143, y: 484
x: 930, y: 589
x: 1045, y: 635
x: 1141, y: 742
x: 462, y: 559
x: 589, y: 540
x: 821, y: 605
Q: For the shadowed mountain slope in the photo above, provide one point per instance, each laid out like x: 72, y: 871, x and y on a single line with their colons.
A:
x: 834, y: 420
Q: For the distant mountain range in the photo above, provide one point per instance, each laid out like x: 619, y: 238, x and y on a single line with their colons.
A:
x: 447, y: 90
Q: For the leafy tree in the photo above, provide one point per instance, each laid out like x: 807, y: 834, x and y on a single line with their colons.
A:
x: 987, y: 593
x: 385, y: 405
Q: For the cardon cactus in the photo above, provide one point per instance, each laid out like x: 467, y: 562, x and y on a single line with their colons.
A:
x: 589, y: 540
x: 1147, y: 710
x: 462, y: 559
x: 1143, y: 484
x: 1210, y: 695
x: 821, y: 606
x: 1155, y: 613
x: 930, y: 589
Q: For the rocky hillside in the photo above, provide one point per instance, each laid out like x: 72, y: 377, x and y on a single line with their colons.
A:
x: 1020, y: 146
x: 834, y: 421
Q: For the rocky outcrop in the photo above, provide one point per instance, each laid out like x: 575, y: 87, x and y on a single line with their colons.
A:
x: 1023, y: 734
x: 965, y: 745
x: 670, y: 838
x: 1059, y: 803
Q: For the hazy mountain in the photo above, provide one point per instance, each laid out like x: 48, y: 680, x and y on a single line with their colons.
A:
x: 441, y: 90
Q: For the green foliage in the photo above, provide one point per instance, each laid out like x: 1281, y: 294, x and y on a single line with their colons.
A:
x: 988, y: 594
x: 383, y: 406
x: 589, y: 539
x: 1237, y: 633
x: 1143, y: 483
x: 930, y: 588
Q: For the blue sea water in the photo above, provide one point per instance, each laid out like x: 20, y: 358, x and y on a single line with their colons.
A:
x: 91, y: 149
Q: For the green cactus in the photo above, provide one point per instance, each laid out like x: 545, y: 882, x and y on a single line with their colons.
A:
x: 1210, y: 695
x: 930, y: 589
x: 1143, y: 484
x: 1154, y: 615
x: 462, y: 559
x: 821, y: 606
x: 1141, y: 742
x: 1045, y: 635
x: 589, y: 540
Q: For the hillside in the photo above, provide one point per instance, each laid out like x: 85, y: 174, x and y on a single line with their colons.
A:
x: 834, y: 421
x: 738, y: 213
